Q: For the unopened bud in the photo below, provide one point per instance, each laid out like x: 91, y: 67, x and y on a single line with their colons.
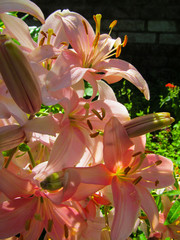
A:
x: 148, y: 123
x: 53, y: 182
x: 19, y: 77
x: 11, y: 136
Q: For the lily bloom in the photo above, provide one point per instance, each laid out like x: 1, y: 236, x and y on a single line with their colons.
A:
x: 34, y: 209
x: 89, y: 58
x: 133, y: 174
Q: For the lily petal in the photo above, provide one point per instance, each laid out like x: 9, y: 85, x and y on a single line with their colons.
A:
x: 19, y: 30
x: 13, y: 186
x: 156, y: 172
x: 22, y: 6
x: 148, y: 205
x: 116, y: 145
x: 10, y: 211
x: 81, y: 38
x: 127, y: 204
x: 117, y: 69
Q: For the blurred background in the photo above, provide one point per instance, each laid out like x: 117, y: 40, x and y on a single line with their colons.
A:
x: 153, y: 31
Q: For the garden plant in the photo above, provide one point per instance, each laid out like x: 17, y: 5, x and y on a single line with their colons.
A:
x: 85, y: 154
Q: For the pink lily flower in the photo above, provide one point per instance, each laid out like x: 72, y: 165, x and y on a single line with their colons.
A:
x: 131, y: 174
x: 89, y: 58
x: 78, y: 128
x: 134, y: 173
x: 34, y: 209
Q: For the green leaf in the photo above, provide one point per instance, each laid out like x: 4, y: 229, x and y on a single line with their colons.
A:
x: 174, y: 213
x: 172, y: 193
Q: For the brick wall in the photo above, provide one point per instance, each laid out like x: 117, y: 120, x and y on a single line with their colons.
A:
x: 152, y: 27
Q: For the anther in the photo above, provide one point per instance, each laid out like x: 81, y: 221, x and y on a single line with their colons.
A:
x: 156, y: 182
x: 113, y: 24
x: 137, y: 180
x: 96, y: 40
x: 66, y: 233
x: 98, y: 114
x: 125, y: 41
x: 136, y: 154
x: 118, y: 51
x: 89, y: 124
x: 103, y: 113
x: 93, y: 135
x: 85, y: 27
x: 27, y: 224
x: 158, y: 162
x: 126, y: 170
x: 50, y: 225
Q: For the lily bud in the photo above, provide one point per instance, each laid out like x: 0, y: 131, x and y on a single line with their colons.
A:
x: 10, y: 137
x: 19, y: 77
x: 148, y: 123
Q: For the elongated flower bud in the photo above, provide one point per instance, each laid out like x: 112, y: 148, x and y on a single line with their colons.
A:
x: 10, y: 137
x: 148, y: 123
x: 19, y: 76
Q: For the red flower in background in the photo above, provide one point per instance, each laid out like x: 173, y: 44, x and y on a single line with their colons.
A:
x: 169, y: 85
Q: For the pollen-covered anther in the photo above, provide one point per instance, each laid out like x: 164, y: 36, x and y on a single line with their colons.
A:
x: 137, y: 180
x: 85, y: 26
x: 93, y: 135
x: 136, y: 154
x: 125, y: 41
x: 89, y: 124
x: 158, y: 162
x: 50, y: 225
x: 118, y: 51
x: 96, y: 40
x: 156, y: 182
x: 113, y: 24
x: 98, y: 114
x: 27, y: 224
x: 126, y: 170
x: 66, y: 231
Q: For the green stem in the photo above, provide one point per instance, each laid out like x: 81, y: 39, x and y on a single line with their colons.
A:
x: 10, y: 157
x: 32, y: 159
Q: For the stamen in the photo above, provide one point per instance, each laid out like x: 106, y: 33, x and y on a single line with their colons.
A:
x: 27, y: 224
x: 85, y: 26
x: 126, y: 170
x: 44, y: 34
x: 89, y: 125
x: 96, y: 40
x: 50, y: 225
x: 137, y: 180
x: 136, y: 154
x: 66, y: 233
x: 41, y: 42
x: 158, y: 162
x: 118, y: 51
x: 98, y: 114
x: 156, y: 182
x: 113, y: 24
x: 93, y: 135
x: 103, y: 113
x: 37, y: 216
x: 125, y: 41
